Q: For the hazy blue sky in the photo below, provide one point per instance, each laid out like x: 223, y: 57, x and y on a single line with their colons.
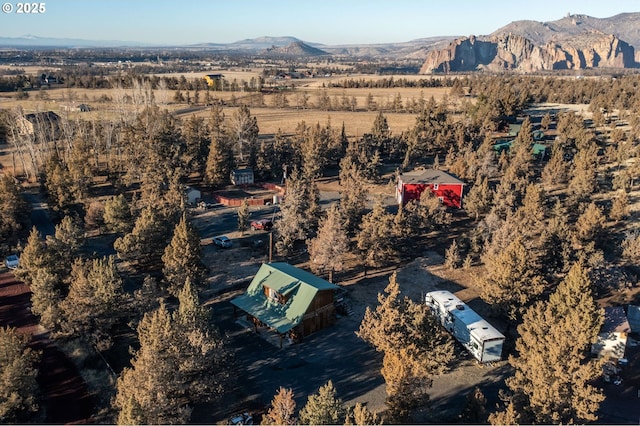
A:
x: 321, y: 21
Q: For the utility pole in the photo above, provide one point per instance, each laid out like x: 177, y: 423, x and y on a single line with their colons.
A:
x: 270, y: 246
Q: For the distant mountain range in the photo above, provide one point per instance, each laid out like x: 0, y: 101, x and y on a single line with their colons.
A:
x: 575, y: 41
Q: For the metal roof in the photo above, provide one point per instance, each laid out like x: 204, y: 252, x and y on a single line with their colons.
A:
x: 298, y: 286
x: 429, y: 176
x: 474, y: 322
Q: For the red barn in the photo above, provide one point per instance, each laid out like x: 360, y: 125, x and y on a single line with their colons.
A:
x: 444, y: 186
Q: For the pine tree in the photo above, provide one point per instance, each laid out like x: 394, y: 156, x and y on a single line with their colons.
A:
x: 323, y: 408
x: 474, y: 411
x: 283, y: 409
x: 328, y: 249
x: 18, y: 371
x: 181, y: 258
x: 553, y: 369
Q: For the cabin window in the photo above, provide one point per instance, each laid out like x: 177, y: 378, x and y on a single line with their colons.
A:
x: 435, y: 186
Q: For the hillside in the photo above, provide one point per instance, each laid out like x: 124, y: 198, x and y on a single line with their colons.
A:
x: 574, y: 42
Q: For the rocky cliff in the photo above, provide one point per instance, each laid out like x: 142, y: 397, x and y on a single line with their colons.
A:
x: 515, y: 52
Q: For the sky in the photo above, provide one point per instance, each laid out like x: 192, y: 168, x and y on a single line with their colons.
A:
x: 330, y: 22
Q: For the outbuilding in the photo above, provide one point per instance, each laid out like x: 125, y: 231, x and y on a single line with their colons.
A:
x: 288, y: 300
x: 193, y: 195
x: 612, y: 339
x: 446, y: 187
x: 479, y: 337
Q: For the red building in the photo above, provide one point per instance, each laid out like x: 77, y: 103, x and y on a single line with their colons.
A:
x: 444, y: 186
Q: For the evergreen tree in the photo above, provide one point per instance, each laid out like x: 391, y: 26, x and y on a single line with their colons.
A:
x: 282, y: 410
x: 146, y: 241
x: 361, y: 416
x: 512, y: 278
x: 478, y: 200
x: 14, y: 213
x: 181, y: 258
x: 374, y: 240
x: 323, y: 408
x: 474, y: 411
x: 18, y: 372
x: 328, y: 249
x: 589, y: 226
x: 197, y: 138
x: 415, y: 348
x: 94, y: 301
x: 117, y: 214
x: 220, y: 162
x: 353, y: 194
x: 151, y: 391
x: 243, y: 130
x: 452, y: 258
x: 553, y: 370
x: 203, y: 361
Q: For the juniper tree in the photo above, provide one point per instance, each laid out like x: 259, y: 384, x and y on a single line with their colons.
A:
x: 589, y: 226
x: 353, y: 194
x: 415, y: 347
x: 181, y: 258
x: 117, y: 214
x: 554, y: 372
x: 328, y: 249
x: 19, y: 390
x: 374, y: 238
x: 151, y: 391
x: 95, y: 298
x: 220, y: 161
x: 323, y: 408
x: 512, y: 278
x: 14, y: 212
x: 282, y: 410
x: 146, y: 241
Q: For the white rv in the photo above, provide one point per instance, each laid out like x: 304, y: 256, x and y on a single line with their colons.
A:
x: 480, y: 338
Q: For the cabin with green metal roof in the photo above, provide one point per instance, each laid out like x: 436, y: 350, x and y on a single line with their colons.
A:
x: 288, y: 300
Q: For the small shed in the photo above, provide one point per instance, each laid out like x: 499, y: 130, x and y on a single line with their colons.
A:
x: 479, y: 337
x: 193, y: 195
x: 242, y: 176
x: 612, y: 340
x: 288, y: 300
x: 445, y: 186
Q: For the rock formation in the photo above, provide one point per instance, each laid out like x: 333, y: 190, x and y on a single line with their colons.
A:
x: 515, y: 52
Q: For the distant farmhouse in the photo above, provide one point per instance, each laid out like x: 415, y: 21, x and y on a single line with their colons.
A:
x: 212, y: 79
x: 446, y: 187
x: 242, y: 176
x: 45, y: 124
x: 288, y: 300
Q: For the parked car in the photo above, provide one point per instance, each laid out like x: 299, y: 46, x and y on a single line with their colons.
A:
x: 264, y: 224
x: 12, y: 261
x: 222, y: 241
